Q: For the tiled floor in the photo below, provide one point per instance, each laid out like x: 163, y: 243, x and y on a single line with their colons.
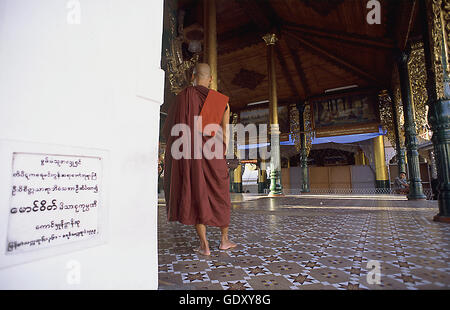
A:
x: 312, y: 242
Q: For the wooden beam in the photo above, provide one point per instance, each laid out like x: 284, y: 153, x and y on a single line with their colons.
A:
x: 408, y: 12
x: 286, y: 73
x: 299, y: 68
x: 238, y: 39
x: 333, y: 58
x: 341, y: 36
x: 261, y: 13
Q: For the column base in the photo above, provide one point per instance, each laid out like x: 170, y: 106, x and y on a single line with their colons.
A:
x: 276, y: 189
x: 382, y: 184
x: 237, y: 187
x: 441, y: 218
x: 416, y: 197
x: 261, y: 187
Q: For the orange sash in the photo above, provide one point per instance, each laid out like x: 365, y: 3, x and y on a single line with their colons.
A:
x: 213, y: 108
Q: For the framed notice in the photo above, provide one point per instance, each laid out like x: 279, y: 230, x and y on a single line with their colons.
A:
x: 55, y: 200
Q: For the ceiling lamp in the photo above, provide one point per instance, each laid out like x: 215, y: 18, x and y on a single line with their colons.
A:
x: 195, y: 46
x: 340, y: 88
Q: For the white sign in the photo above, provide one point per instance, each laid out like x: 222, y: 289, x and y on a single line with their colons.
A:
x: 54, y: 200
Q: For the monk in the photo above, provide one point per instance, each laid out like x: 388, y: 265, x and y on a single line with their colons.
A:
x: 197, y: 189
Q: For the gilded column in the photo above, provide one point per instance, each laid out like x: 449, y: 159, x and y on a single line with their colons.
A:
x: 303, y: 150
x: 237, y: 179
x: 401, y: 164
x: 436, y: 25
x: 276, y: 188
x: 415, y: 182
x: 360, y: 158
x: 381, y: 175
x: 210, y: 34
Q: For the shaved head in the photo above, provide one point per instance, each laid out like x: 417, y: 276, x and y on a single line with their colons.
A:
x: 202, y: 74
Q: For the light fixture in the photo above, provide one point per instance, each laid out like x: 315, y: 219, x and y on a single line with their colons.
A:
x: 258, y: 102
x: 340, y: 88
x: 195, y: 46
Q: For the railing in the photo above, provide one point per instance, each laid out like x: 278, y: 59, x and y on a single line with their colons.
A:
x: 350, y: 191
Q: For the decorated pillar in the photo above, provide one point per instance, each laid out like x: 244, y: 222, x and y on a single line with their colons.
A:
x: 210, y: 42
x: 412, y: 155
x: 303, y: 150
x: 415, y: 182
x: 401, y: 164
x: 381, y: 174
x: 275, y: 163
x: 436, y: 25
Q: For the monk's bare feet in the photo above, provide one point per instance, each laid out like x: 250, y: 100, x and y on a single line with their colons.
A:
x: 226, y: 245
x: 203, y: 251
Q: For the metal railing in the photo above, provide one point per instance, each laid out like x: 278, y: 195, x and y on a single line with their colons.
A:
x: 351, y: 191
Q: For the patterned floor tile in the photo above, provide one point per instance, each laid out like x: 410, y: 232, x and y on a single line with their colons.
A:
x: 284, y: 268
x: 283, y: 245
x: 331, y: 276
x: 296, y: 256
x: 301, y: 279
x: 432, y: 275
x: 386, y: 283
x: 189, y: 266
x: 317, y: 286
x: 336, y: 262
x: 270, y: 282
x: 236, y: 285
x: 226, y: 274
x: 194, y: 277
x: 261, y: 251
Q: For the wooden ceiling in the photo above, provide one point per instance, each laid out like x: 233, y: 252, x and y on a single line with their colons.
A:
x: 323, y: 44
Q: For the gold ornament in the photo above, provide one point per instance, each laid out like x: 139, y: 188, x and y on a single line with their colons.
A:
x: 270, y: 38
x: 418, y: 79
x: 177, y: 69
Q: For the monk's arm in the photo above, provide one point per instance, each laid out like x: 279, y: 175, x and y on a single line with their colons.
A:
x: 225, y: 122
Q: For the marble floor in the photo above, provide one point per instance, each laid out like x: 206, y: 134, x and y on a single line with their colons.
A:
x: 312, y: 242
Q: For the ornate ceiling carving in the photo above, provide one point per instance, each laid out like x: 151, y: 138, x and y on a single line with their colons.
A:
x: 248, y: 79
x: 323, y: 7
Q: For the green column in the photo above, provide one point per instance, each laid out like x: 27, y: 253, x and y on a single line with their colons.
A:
x: 303, y: 151
x: 438, y: 90
x: 415, y: 183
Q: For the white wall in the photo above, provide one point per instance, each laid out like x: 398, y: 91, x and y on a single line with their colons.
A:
x: 97, y: 84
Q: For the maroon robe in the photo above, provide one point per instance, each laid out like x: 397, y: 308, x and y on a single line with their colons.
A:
x: 196, y: 190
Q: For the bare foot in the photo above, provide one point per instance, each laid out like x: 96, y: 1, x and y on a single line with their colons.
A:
x: 226, y: 245
x: 202, y: 251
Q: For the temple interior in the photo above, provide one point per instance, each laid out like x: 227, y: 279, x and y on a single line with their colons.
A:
x: 352, y: 94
